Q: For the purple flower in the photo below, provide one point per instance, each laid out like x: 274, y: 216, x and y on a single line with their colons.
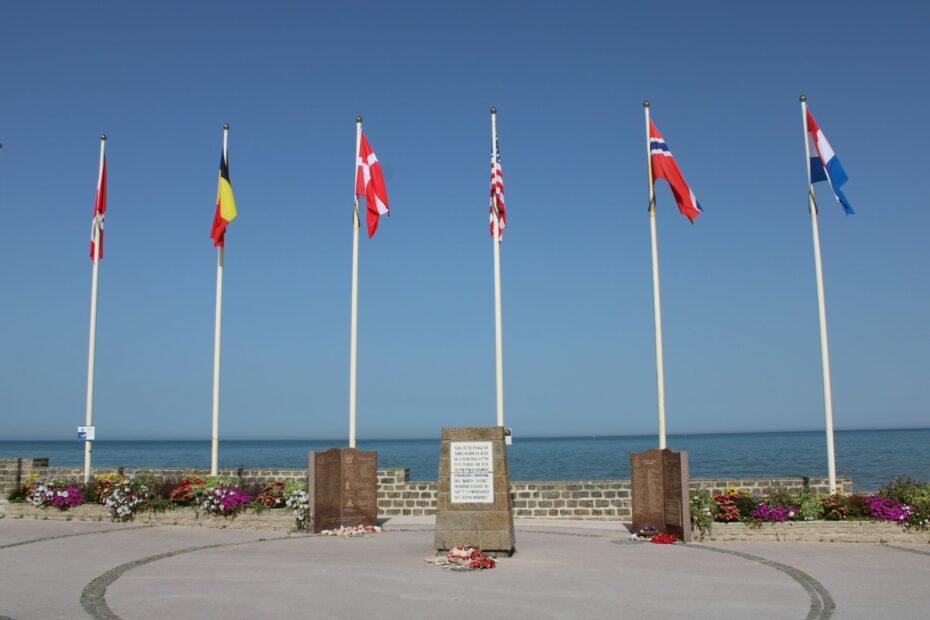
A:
x: 887, y: 509
x: 780, y: 514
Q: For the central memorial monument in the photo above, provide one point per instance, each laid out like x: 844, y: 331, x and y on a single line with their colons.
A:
x: 473, y: 505
x: 343, y: 485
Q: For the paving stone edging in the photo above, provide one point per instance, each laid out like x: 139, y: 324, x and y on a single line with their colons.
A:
x: 817, y: 531
x: 283, y: 520
x: 280, y: 519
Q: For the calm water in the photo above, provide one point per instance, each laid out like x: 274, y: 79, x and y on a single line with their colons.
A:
x: 871, y: 457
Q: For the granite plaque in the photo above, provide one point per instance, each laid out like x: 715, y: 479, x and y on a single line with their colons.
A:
x: 473, y: 504
x: 660, y: 491
x: 472, y: 470
x: 343, y: 485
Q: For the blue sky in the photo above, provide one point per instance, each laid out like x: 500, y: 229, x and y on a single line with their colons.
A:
x: 738, y: 289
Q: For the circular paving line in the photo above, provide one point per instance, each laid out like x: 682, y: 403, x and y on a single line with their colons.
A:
x: 38, y: 540
x: 897, y: 548
x: 822, y: 604
x: 93, y: 597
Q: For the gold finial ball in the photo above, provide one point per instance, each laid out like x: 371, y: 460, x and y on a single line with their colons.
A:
x: 103, y: 137
x: 358, y: 119
x: 493, y: 110
x: 226, y: 126
x: 646, y: 103
x: 803, y: 98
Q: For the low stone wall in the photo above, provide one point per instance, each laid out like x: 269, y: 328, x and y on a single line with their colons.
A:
x: 281, y: 519
x: 400, y: 496
x: 818, y: 531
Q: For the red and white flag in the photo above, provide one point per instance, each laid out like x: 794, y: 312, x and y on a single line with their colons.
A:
x: 665, y: 167
x: 497, y: 194
x: 100, y: 208
x: 369, y: 182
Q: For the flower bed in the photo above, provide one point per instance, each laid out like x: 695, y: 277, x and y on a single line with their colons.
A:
x: 214, y: 501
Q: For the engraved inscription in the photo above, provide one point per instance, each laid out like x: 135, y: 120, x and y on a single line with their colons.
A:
x: 472, y: 469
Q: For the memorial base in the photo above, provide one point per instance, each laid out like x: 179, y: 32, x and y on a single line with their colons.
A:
x: 473, y: 504
x: 343, y: 485
x: 660, y: 492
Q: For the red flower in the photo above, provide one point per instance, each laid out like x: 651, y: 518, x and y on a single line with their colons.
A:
x: 663, y: 539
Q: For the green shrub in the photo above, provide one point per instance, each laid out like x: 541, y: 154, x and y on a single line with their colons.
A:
x: 703, y: 511
x: 746, y: 504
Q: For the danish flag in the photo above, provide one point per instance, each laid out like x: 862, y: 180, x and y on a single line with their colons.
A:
x: 369, y: 182
x: 665, y: 167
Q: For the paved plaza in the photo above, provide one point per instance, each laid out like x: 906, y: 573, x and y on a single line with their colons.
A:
x: 562, y: 569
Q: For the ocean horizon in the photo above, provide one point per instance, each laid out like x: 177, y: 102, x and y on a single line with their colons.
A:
x: 870, y: 456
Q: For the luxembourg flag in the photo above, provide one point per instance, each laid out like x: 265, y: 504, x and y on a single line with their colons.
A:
x: 826, y: 166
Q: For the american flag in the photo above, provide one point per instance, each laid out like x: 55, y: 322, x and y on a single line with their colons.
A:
x: 497, y: 193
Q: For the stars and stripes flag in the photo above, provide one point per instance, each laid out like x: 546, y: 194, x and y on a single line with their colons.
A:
x: 497, y: 194
x: 826, y: 165
x: 369, y: 182
x: 665, y: 167
x: 225, y: 204
x: 100, y: 209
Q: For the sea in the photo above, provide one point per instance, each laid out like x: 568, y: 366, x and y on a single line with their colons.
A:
x: 871, y: 457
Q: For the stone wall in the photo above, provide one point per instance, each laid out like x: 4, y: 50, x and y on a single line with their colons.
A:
x: 818, y: 531
x: 400, y: 496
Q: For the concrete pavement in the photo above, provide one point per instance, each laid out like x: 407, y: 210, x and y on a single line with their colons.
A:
x: 561, y: 570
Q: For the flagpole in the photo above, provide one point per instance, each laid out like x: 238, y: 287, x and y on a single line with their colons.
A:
x: 215, y: 433
x: 353, y: 338
x: 821, y: 308
x: 495, y: 241
x: 656, y: 302
x: 91, y: 350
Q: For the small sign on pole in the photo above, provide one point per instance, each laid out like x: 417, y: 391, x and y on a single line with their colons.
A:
x: 85, y: 433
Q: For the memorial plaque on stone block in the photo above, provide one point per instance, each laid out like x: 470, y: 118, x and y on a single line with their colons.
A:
x: 473, y: 504
x: 343, y: 486
x: 660, y: 491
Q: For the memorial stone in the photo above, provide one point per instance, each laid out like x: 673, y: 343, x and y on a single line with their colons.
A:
x: 473, y: 505
x: 660, y: 491
x: 343, y: 486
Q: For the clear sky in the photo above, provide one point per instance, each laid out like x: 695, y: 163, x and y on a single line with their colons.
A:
x: 738, y: 289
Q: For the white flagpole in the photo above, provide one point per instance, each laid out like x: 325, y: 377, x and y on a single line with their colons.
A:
x: 656, y: 303
x: 215, y: 434
x: 495, y: 241
x: 821, y: 307
x: 91, y: 350
x: 353, y: 338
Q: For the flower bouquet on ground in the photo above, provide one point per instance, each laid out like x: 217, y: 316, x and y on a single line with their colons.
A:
x: 663, y: 539
x: 358, y: 530
x: 646, y: 532
x: 469, y: 558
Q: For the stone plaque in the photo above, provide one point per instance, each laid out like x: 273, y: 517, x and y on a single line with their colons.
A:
x: 343, y: 486
x: 660, y: 491
x: 472, y: 470
x: 473, y: 503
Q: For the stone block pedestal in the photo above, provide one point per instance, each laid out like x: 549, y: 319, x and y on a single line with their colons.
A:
x: 473, y: 503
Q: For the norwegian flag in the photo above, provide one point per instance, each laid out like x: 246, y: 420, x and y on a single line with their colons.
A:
x: 369, y: 182
x: 497, y: 194
x: 665, y: 167
x: 100, y: 208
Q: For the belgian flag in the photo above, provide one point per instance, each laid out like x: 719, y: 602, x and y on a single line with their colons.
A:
x: 225, y: 204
